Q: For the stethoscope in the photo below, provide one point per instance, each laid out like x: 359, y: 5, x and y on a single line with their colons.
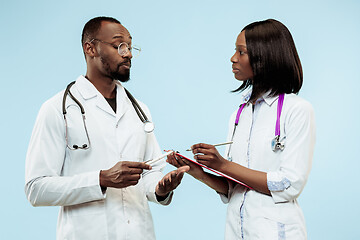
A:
x: 276, y: 144
x: 148, y: 125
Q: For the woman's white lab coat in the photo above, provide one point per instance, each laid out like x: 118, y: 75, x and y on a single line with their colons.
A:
x: 57, y: 176
x: 253, y: 215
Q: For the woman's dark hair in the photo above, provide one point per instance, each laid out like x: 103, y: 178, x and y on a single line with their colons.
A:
x: 274, y: 60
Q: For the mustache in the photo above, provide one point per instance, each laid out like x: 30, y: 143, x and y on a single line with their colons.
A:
x: 126, y: 63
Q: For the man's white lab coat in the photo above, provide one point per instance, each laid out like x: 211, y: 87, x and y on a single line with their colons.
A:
x: 57, y: 176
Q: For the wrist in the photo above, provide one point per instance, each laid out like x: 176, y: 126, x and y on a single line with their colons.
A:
x: 157, y: 193
x: 223, y: 166
x: 198, y: 176
x: 201, y: 177
x: 102, y: 181
x: 161, y: 196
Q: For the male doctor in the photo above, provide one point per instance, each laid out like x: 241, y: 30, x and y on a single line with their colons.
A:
x: 102, y: 184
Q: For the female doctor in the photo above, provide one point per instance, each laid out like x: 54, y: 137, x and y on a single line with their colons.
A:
x: 273, y: 134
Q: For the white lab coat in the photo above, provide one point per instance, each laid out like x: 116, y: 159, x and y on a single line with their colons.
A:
x: 253, y: 215
x: 57, y: 176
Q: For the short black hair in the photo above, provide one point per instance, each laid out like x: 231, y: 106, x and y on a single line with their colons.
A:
x: 92, y: 27
x: 273, y: 58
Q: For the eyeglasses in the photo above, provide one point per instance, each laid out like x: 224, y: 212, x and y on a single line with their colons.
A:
x: 123, y: 48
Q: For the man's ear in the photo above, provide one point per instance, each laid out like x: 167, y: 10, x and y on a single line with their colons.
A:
x: 89, y: 49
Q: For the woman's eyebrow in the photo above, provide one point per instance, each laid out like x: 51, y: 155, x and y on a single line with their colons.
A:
x: 243, y: 46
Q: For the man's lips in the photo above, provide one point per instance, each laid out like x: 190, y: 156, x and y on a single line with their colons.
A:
x: 126, y: 65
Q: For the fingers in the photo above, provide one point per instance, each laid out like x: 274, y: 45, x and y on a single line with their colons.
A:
x: 138, y: 165
x: 135, y: 171
x: 175, y: 160
x: 168, y: 178
x: 165, y: 181
x: 183, y: 170
x: 171, y: 180
x: 203, y: 151
x: 179, y: 177
x: 201, y: 146
x: 142, y: 165
x: 134, y: 177
x: 204, y: 159
x: 176, y: 175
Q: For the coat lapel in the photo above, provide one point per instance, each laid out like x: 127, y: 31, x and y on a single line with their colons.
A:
x: 122, y: 102
x: 88, y: 91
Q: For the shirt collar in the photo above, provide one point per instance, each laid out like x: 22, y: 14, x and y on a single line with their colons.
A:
x: 265, y: 97
x: 246, y: 96
x: 269, y: 100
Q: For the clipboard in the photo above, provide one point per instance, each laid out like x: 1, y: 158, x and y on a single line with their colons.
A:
x: 213, y: 170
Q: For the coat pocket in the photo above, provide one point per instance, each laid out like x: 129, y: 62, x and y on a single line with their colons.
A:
x: 283, y: 223
x: 87, y: 221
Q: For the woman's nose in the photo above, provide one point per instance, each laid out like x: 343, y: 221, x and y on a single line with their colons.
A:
x: 233, y: 58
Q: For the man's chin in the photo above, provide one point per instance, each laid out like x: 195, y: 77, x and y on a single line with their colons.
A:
x: 124, y: 80
x: 122, y: 77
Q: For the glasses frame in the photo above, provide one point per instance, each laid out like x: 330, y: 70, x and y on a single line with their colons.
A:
x: 121, y: 52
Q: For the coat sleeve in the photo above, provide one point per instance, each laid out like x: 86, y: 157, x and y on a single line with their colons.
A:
x: 152, y: 177
x: 44, y: 183
x: 288, y: 181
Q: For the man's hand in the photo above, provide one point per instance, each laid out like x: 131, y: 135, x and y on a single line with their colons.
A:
x: 122, y: 174
x: 170, y: 181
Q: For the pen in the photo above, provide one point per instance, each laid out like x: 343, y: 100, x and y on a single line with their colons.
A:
x: 215, y: 145
x: 151, y: 161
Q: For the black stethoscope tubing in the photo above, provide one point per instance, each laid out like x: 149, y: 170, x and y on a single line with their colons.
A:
x: 148, y: 126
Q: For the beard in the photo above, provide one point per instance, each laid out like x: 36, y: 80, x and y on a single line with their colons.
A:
x: 123, y: 76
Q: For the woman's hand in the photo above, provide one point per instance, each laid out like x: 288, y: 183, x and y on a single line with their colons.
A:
x: 195, y: 170
x: 219, y: 184
x: 208, y: 155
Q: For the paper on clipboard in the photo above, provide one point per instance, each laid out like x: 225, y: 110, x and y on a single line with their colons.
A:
x: 213, y: 170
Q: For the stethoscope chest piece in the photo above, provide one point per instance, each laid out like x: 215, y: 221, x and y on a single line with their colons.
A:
x: 149, y: 127
x: 276, y: 144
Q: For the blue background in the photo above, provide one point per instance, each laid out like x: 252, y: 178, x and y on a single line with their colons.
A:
x: 184, y: 75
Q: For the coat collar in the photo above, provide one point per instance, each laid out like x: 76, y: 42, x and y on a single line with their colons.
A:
x: 88, y: 91
x: 86, y: 88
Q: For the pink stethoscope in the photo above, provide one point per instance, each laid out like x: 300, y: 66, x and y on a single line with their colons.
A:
x: 276, y: 144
